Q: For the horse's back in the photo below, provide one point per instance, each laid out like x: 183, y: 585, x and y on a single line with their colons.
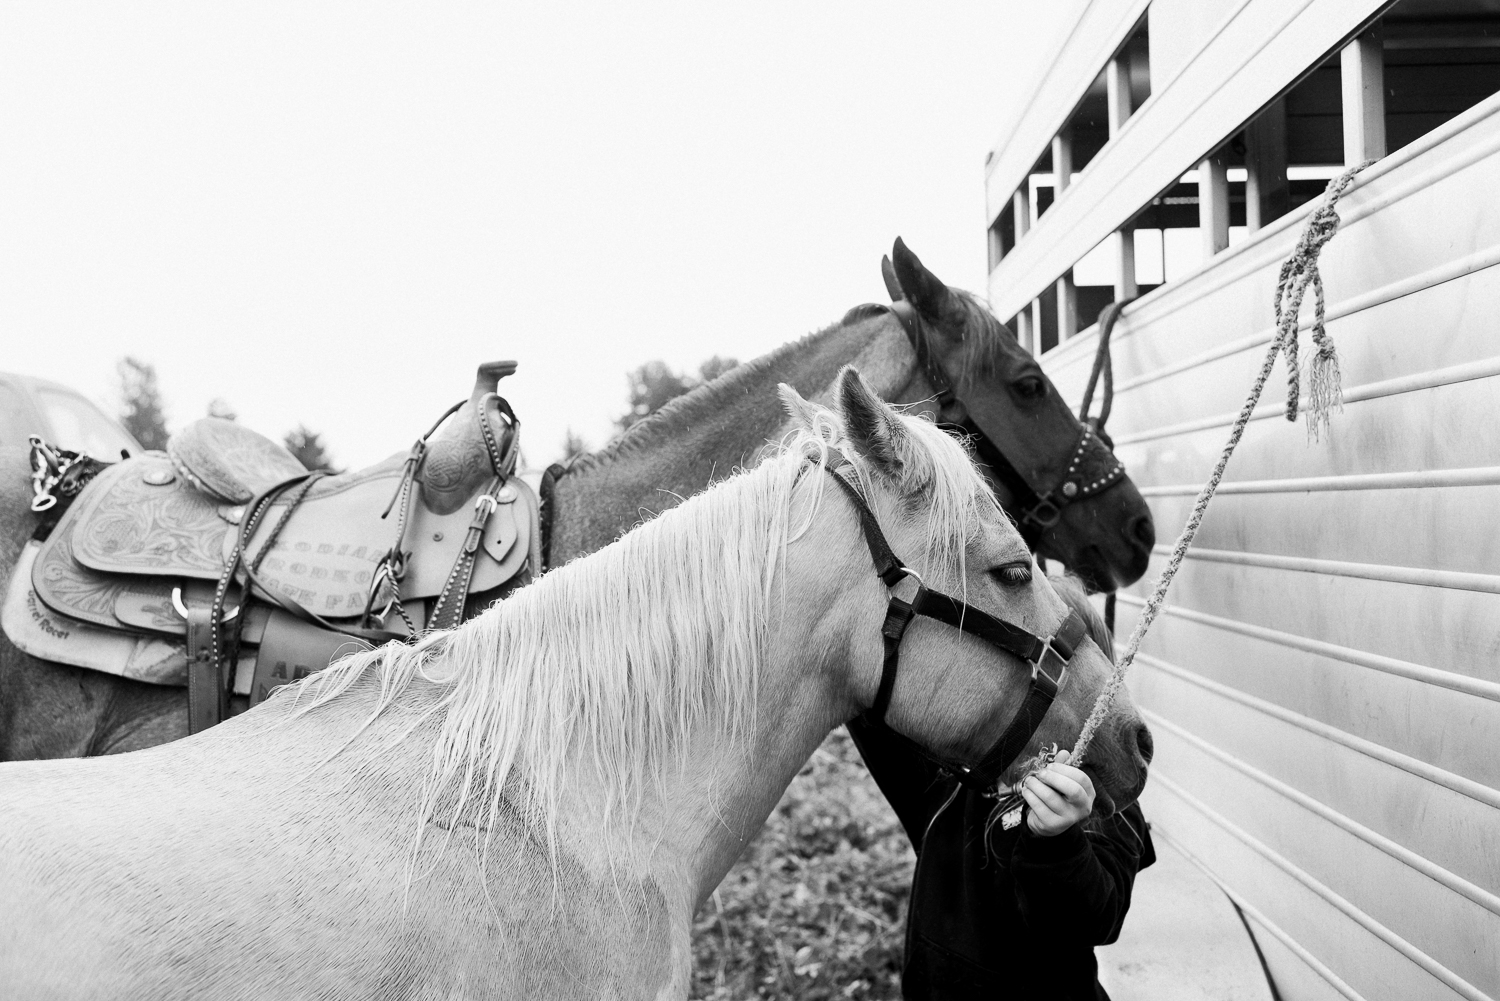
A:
x: 234, y: 865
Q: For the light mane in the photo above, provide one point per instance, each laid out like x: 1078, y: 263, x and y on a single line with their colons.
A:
x: 614, y: 660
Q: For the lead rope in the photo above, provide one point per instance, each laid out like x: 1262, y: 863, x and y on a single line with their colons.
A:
x: 1103, y: 364
x: 1298, y: 272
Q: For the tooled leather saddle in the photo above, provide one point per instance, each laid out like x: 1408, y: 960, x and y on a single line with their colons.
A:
x: 225, y: 564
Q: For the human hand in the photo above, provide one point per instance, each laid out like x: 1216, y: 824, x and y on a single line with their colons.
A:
x: 1059, y: 796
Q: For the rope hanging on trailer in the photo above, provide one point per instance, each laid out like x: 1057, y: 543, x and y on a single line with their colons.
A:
x: 1298, y: 272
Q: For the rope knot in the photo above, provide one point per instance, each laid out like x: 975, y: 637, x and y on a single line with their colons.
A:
x: 1298, y: 272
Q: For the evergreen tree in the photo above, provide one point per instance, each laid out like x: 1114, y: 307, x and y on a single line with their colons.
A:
x: 573, y: 446
x: 141, y: 412
x: 307, y: 445
x: 653, y: 385
x: 715, y: 367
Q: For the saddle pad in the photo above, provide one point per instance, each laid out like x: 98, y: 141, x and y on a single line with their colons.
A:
x: 139, y: 516
x: 36, y: 630
x: 229, y: 461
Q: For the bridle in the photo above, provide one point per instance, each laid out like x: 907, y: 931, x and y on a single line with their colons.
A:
x: 1092, y: 468
x: 1048, y: 656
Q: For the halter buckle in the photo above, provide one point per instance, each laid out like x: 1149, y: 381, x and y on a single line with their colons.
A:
x: 1044, y: 513
x: 1039, y: 673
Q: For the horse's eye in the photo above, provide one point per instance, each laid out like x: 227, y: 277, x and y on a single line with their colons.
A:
x: 1013, y: 574
x: 1030, y: 387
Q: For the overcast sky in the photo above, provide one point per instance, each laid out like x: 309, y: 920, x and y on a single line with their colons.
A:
x: 329, y: 213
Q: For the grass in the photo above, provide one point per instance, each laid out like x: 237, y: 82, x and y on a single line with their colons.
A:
x: 816, y: 907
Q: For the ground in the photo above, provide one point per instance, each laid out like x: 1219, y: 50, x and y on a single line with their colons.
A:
x: 816, y: 908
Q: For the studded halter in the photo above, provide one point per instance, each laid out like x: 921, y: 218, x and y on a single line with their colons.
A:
x: 1092, y: 468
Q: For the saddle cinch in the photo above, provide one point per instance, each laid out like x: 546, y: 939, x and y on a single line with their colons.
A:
x: 145, y: 574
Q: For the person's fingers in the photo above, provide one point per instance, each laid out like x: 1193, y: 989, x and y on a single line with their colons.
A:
x: 1047, y: 818
x: 1063, y: 757
x: 1066, y: 787
x: 1076, y: 774
x: 1050, y: 796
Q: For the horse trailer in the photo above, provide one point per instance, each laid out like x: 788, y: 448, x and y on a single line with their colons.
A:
x: 1324, y: 682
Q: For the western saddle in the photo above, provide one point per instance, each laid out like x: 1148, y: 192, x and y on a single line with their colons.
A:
x: 260, y: 572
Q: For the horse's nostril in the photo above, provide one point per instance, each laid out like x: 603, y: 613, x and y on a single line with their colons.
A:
x: 1144, y: 531
x: 1144, y: 742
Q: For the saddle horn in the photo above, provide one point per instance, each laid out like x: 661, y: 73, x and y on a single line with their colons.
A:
x: 457, y: 460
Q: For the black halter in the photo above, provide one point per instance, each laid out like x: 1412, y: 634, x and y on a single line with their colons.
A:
x: 1092, y: 468
x: 1048, y: 657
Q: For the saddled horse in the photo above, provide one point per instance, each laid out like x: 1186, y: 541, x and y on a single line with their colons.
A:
x: 534, y: 804
x: 1030, y: 439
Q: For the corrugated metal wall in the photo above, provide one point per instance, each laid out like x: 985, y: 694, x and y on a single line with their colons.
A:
x: 1325, y: 687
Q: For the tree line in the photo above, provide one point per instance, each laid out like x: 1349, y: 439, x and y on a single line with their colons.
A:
x: 648, y: 388
x: 143, y: 413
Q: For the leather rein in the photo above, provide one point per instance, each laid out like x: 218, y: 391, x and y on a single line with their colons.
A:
x: 1092, y: 467
x: 1048, y: 656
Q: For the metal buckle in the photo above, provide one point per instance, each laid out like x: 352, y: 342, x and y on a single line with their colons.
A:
x: 1036, y: 668
x: 1047, y: 520
x: 181, y: 607
x: 384, y: 574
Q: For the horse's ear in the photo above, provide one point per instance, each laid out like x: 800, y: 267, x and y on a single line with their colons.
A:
x: 802, y: 413
x: 923, y: 289
x: 892, y: 284
x: 871, y: 425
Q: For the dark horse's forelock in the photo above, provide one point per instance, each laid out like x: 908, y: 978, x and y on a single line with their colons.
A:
x: 986, y: 340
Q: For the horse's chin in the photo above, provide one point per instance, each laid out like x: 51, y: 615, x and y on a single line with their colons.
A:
x: 1106, y: 803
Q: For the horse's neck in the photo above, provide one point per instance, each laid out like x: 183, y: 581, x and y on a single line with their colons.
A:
x: 820, y: 662
x: 716, y: 430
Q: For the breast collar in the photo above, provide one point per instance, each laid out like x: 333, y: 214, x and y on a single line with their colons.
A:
x: 1092, y: 468
x: 1049, y: 657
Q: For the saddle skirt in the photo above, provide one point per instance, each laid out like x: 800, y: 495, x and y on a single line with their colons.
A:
x: 141, y: 529
x: 143, y: 547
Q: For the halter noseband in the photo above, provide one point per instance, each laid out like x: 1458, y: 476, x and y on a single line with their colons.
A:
x: 1048, y: 657
x: 1092, y: 468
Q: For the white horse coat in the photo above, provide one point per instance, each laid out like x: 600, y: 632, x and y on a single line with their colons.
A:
x: 535, y: 804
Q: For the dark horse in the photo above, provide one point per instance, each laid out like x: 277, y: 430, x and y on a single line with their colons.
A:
x: 49, y: 710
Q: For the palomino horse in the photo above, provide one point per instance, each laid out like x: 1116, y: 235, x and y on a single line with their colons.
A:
x: 52, y: 710
x: 534, y: 804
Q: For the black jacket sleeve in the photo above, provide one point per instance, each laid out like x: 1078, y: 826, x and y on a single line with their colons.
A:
x: 1077, y: 884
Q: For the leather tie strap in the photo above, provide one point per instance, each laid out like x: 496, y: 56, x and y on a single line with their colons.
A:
x: 206, y: 690
x: 448, y: 609
x: 898, y: 615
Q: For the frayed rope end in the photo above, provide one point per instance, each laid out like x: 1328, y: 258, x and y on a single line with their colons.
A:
x: 1325, y: 389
